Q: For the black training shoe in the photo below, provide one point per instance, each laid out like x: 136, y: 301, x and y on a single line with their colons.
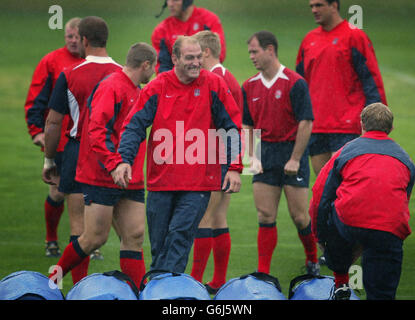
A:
x: 210, y: 289
x: 52, y: 249
x: 313, y: 268
x: 342, y: 293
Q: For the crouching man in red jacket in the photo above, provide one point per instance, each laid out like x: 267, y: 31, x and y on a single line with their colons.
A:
x: 360, y: 206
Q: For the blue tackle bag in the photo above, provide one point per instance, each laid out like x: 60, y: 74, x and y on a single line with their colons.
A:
x: 29, y: 285
x: 308, y: 287
x: 165, y: 285
x: 253, y: 286
x: 111, y: 285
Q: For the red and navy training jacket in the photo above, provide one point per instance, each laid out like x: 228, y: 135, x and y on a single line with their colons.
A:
x: 73, y: 87
x: 180, y: 154
x: 108, y: 105
x: 368, y: 183
x: 342, y: 72
x: 43, y: 81
x: 167, y: 31
x: 277, y: 106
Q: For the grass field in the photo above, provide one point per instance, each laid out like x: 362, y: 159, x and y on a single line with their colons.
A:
x: 26, y: 37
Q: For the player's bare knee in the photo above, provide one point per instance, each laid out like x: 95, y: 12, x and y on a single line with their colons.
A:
x: 98, y: 240
x: 55, y: 194
x: 134, y: 237
x: 89, y: 243
x: 265, y: 216
x: 301, y: 221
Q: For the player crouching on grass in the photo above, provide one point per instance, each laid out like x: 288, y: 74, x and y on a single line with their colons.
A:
x: 360, y: 206
x: 109, y: 104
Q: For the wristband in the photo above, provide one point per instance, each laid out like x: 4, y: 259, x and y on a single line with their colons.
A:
x: 49, y: 163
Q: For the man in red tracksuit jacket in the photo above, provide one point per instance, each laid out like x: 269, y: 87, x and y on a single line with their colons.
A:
x: 109, y: 104
x: 185, y: 19
x: 339, y: 64
x: 186, y: 108
x: 213, y: 232
x: 36, y: 110
x: 360, y: 205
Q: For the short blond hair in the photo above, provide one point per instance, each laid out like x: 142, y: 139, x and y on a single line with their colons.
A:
x: 377, y: 117
x: 211, y: 40
x: 179, y: 42
x: 73, y: 23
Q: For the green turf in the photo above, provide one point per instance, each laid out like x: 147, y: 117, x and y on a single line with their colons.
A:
x: 26, y: 38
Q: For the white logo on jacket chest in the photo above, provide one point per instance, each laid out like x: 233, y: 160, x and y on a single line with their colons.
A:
x: 196, y: 26
x: 278, y: 94
x: 197, y: 92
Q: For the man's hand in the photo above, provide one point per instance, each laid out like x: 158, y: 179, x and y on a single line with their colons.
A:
x: 39, y: 139
x: 233, y: 180
x: 49, y: 173
x: 256, y: 166
x: 291, y: 167
x: 122, y: 175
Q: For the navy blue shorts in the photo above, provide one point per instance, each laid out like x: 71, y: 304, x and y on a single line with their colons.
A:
x: 58, y: 162
x: 109, y: 196
x: 328, y: 142
x: 67, y: 182
x: 274, y: 156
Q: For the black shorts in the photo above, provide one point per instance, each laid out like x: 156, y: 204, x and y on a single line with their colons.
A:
x: 109, y: 196
x: 274, y: 156
x: 67, y: 182
x: 328, y: 142
x: 58, y: 162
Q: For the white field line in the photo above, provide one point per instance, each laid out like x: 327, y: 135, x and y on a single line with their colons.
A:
x: 401, y: 76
